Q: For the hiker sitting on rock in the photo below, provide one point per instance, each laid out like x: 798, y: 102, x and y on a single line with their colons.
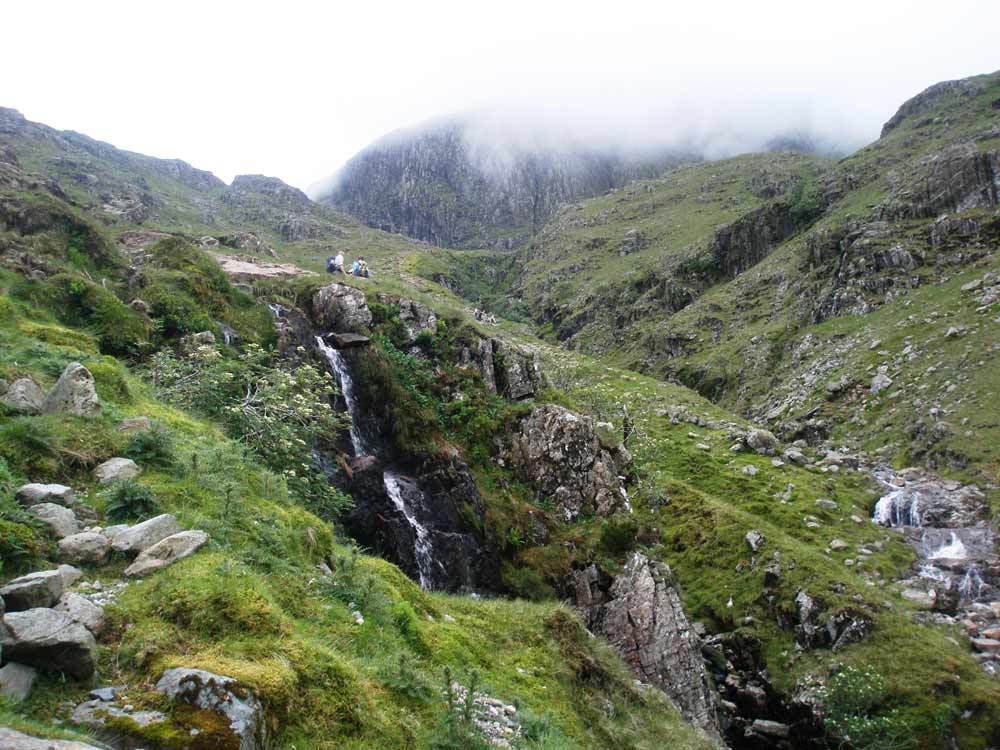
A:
x: 360, y: 267
x: 335, y: 264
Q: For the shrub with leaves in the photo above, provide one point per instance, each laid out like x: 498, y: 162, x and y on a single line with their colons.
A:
x: 129, y: 501
x: 153, y: 447
x: 277, y: 408
x: 854, y: 711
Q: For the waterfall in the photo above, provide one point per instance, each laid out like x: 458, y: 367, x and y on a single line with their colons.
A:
x: 422, y: 545
x: 340, y: 370
x: 423, y: 551
x: 948, y: 557
x: 954, y: 549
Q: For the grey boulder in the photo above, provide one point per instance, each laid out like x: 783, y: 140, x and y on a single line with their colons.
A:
x: 166, y: 552
x: 75, y: 392
x: 87, y: 547
x: 81, y: 610
x: 23, y: 396
x: 39, y: 589
x: 117, y: 470
x: 11, y: 739
x: 58, y: 519
x: 49, y: 640
x: 33, y: 494
x: 16, y: 681
x: 134, y: 539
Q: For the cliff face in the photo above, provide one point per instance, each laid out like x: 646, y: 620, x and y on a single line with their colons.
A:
x: 444, y: 186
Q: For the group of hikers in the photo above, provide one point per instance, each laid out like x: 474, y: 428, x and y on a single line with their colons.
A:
x: 335, y: 264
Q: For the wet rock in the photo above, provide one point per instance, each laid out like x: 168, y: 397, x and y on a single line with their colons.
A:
x: 75, y: 392
x: 116, y: 470
x: 16, y: 682
x: 134, y: 539
x: 166, y: 552
x: 558, y: 452
x: 640, y: 613
x: 23, y: 396
x: 294, y: 328
x: 248, y: 724
x: 14, y: 740
x: 49, y: 640
x: 346, y: 340
x: 33, y: 494
x: 85, y: 548
x: 769, y: 728
x: 81, y: 610
x: 58, y: 519
x: 339, y: 307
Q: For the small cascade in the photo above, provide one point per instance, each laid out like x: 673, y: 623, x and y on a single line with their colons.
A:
x: 340, y: 370
x: 423, y: 551
x: 957, y: 568
x: 953, y: 550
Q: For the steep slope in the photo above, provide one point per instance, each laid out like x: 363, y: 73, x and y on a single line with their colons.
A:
x: 301, y: 639
x: 136, y: 196
x: 450, y: 185
x: 758, y: 280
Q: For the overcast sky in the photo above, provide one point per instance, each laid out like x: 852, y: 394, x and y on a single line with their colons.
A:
x: 293, y: 90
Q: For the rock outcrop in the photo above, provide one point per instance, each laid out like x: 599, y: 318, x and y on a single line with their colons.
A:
x: 74, y: 392
x: 748, y: 240
x: 506, y: 369
x: 444, y: 184
x: 559, y: 453
x: 640, y: 613
x: 248, y: 724
x: 339, y: 307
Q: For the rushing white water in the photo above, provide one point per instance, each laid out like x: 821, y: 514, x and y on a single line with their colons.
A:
x: 422, y: 551
x: 339, y: 366
x: 953, y: 550
x: 895, y: 508
x: 422, y: 546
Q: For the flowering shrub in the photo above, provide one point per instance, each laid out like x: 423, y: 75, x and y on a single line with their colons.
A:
x: 852, y: 703
x: 277, y: 409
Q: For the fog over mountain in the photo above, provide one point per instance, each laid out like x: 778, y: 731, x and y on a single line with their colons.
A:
x: 296, y: 94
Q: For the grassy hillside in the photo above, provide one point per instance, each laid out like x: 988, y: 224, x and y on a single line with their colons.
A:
x: 760, y: 279
x: 253, y: 604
